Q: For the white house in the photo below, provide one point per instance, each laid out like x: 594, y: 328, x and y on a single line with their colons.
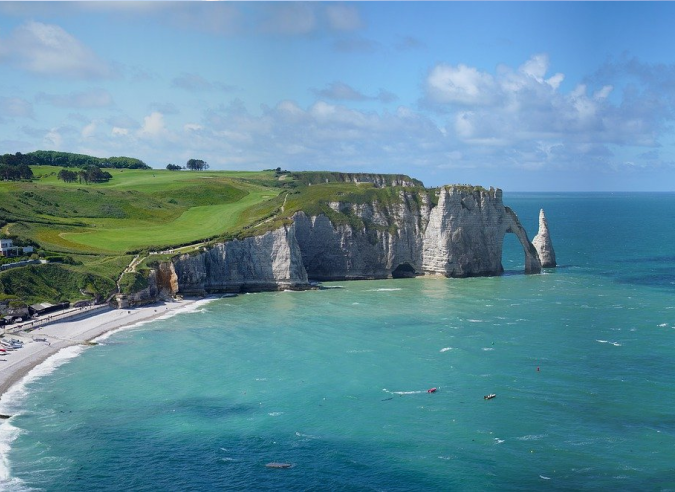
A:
x: 7, y: 248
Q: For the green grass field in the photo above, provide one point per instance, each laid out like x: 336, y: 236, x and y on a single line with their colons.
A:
x: 137, y: 209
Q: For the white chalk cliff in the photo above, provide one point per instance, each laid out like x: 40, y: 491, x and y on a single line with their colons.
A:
x: 461, y: 236
x: 542, y: 241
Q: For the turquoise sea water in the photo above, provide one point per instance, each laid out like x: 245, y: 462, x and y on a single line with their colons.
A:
x: 335, y: 381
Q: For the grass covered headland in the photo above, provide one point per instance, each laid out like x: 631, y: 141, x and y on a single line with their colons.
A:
x: 91, y: 231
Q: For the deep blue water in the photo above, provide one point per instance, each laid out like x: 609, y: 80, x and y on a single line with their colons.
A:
x: 335, y: 381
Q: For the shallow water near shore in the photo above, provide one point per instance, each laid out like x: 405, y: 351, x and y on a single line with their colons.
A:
x: 335, y: 381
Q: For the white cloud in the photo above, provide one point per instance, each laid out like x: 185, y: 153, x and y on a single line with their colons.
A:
x: 524, y: 105
x: 460, y: 84
x: 192, y: 127
x: 47, y: 49
x: 89, y: 130
x: 53, y: 139
x: 119, y: 132
x: 536, y: 67
x: 153, y: 126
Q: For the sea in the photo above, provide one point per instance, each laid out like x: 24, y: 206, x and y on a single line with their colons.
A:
x: 335, y: 382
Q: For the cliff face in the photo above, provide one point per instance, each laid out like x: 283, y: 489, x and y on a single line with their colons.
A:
x: 406, y: 236
x: 268, y: 262
x: 390, y: 238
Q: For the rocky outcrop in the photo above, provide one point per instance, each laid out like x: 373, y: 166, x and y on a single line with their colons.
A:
x: 466, y: 233
x: 268, y: 262
x: 542, y: 242
x: 403, y: 234
x: 381, y: 241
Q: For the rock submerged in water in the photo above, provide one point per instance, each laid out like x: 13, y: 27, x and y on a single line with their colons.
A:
x: 542, y: 242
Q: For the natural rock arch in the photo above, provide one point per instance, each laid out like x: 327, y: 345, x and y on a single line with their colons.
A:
x: 513, y: 226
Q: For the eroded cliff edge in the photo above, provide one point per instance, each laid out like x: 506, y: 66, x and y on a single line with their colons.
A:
x: 454, y: 231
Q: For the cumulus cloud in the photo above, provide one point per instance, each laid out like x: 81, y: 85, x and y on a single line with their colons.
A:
x: 153, y: 126
x: 459, y: 84
x: 526, y: 105
x: 89, y: 130
x: 94, y: 98
x: 47, y: 49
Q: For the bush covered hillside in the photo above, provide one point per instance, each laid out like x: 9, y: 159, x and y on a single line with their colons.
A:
x: 90, y: 231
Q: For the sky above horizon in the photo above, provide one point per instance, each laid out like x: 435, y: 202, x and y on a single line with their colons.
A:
x: 529, y: 96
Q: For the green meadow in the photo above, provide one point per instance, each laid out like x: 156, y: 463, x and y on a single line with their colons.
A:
x: 136, y: 210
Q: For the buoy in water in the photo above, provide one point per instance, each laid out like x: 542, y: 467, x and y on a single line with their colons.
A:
x: 431, y: 390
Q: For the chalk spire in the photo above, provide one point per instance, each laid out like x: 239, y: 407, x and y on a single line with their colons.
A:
x: 542, y: 242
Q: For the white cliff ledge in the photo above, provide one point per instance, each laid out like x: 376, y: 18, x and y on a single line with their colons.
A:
x: 461, y: 236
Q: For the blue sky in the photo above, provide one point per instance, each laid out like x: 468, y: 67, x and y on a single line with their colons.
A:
x: 526, y: 96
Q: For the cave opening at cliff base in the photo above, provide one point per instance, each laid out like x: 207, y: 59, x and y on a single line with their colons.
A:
x: 404, y: 270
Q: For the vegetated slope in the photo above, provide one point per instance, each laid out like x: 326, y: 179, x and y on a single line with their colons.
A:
x: 98, y: 227
x: 53, y: 282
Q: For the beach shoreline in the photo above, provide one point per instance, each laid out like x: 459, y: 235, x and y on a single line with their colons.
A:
x: 77, y: 330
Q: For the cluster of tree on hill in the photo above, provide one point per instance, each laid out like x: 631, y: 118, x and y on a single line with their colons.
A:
x: 13, y: 168
x: 67, y: 159
x: 192, y: 165
x: 15, y: 173
x: 91, y: 174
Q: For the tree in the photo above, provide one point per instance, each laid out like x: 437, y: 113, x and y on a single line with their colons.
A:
x: 196, y: 165
x: 93, y: 174
x: 67, y: 176
x: 11, y: 172
x: 173, y: 167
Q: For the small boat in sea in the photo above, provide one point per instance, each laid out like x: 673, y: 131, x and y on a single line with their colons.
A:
x: 490, y: 396
x: 278, y: 465
x: 432, y: 390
